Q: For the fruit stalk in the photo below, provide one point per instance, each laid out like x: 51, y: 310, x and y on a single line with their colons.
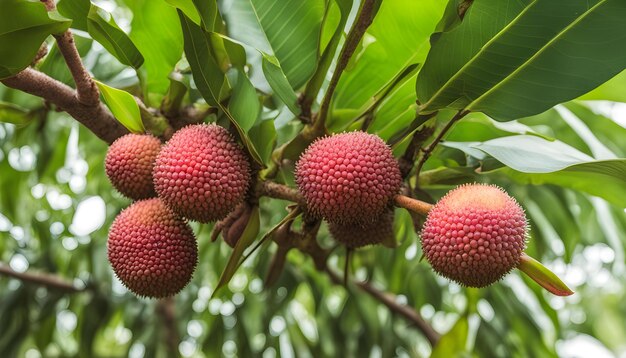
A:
x: 418, y: 206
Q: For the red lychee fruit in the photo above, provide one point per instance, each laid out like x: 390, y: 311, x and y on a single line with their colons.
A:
x: 202, y: 173
x: 475, y: 235
x: 129, y: 163
x: 355, y: 235
x: 348, y: 178
x: 152, y: 250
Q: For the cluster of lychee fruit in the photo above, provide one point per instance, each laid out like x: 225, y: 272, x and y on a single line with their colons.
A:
x: 474, y: 235
x: 200, y: 174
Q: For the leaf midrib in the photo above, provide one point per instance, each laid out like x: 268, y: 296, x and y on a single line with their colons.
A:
x: 469, y: 63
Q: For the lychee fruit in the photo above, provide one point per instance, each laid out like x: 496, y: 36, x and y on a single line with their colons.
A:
x: 152, y: 250
x: 348, y: 178
x: 475, y: 235
x: 129, y: 163
x: 355, y: 235
x: 202, y: 173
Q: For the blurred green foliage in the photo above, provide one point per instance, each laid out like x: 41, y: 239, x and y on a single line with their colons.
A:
x: 565, y: 166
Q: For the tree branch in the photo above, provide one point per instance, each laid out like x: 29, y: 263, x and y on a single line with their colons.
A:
x: 363, y: 21
x: 86, y: 89
x: 320, y: 256
x: 165, y: 308
x: 391, y: 302
x: 96, y: 118
x: 428, y: 150
x: 43, y: 279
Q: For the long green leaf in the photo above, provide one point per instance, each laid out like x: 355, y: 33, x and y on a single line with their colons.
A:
x: 534, y: 160
x: 277, y: 79
x: 292, y: 28
x: 102, y: 28
x: 247, y: 238
x: 157, y: 34
x: 24, y: 26
x: 207, y: 75
x: 244, y: 103
x: 524, y: 56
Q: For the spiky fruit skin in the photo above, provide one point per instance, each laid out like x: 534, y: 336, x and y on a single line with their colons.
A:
x: 348, y: 178
x: 202, y: 173
x: 475, y: 235
x: 355, y: 236
x: 129, y: 163
x: 152, y: 250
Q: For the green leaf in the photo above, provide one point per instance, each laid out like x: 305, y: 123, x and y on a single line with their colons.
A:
x: 207, y: 75
x: 158, y: 36
x: 452, y: 344
x: 292, y: 28
x: 188, y: 8
x: 102, y: 28
x: 229, y: 52
x: 524, y: 56
x: 543, y: 276
x: 244, y: 103
x: 612, y: 90
x: 123, y: 106
x: 531, y: 154
x: 263, y: 136
x: 175, y: 94
x: 534, y: 160
x: 398, y: 37
x: 11, y: 113
x: 279, y: 83
x: 330, y: 37
x: 246, y: 239
x: 209, y: 15
x: 24, y: 25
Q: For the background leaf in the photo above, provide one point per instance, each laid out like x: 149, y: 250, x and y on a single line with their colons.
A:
x: 556, y: 61
x: 24, y: 25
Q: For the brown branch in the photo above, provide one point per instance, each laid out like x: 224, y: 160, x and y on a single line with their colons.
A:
x: 86, y: 89
x: 280, y: 191
x: 42, y: 279
x: 363, y: 20
x: 428, y: 150
x: 320, y: 256
x: 407, y: 160
x: 96, y: 118
x: 391, y: 302
x: 166, y: 310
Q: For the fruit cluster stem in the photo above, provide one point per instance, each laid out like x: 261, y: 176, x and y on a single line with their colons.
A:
x: 417, y: 206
